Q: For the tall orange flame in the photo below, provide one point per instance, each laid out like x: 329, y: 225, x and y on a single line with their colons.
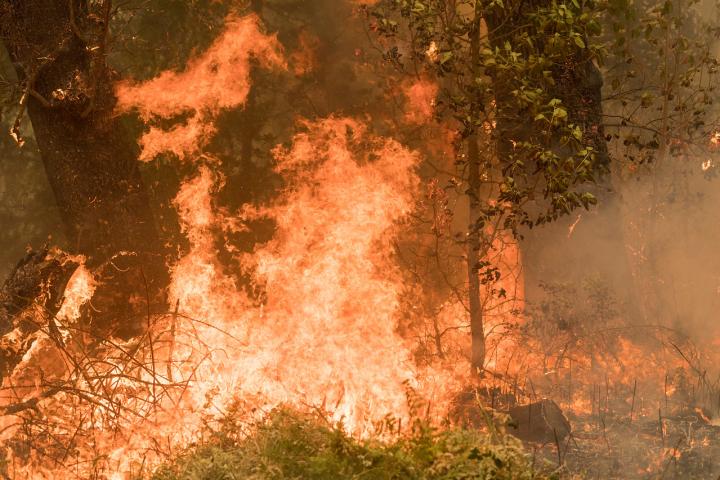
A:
x: 325, y: 335
x: 218, y: 79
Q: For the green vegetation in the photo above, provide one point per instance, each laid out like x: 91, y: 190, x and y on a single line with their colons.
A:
x: 291, y: 445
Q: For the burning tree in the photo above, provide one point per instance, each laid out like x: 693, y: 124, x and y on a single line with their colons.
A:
x: 520, y: 79
x: 59, y: 51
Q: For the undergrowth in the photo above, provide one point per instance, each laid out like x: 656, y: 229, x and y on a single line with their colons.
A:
x: 293, y: 445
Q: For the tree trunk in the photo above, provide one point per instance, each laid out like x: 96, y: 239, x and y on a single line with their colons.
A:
x: 58, y: 48
x: 477, y: 329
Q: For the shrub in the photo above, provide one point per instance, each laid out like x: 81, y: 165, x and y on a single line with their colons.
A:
x: 293, y: 445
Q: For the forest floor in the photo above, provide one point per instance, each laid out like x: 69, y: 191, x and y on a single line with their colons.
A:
x: 683, y: 446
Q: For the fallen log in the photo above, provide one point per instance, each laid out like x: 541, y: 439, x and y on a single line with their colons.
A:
x: 29, y: 299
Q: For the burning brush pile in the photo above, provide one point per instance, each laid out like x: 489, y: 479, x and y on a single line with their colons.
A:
x: 315, y: 378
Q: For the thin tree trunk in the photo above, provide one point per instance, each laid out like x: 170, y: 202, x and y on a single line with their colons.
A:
x: 477, y: 328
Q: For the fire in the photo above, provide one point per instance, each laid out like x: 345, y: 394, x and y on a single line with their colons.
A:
x: 304, y: 59
x: 79, y: 291
x: 432, y: 52
x: 715, y: 139
x: 421, y: 95
x: 325, y: 335
x: 198, y: 281
x: 218, y: 79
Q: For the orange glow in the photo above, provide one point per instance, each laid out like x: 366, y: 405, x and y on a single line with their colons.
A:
x: 79, y: 291
x: 420, y: 96
x: 218, y: 79
x: 304, y: 59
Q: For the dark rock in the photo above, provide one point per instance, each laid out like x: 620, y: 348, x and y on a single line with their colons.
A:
x: 541, y: 421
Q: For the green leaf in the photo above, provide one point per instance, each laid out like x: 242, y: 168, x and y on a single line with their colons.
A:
x: 560, y: 112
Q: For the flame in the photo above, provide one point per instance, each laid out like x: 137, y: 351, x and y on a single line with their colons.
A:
x: 217, y: 80
x: 715, y: 139
x: 304, y: 59
x: 78, y: 292
x: 432, y: 52
x: 181, y: 140
x: 325, y: 335
x: 198, y: 282
x: 420, y: 95
x: 43, y: 362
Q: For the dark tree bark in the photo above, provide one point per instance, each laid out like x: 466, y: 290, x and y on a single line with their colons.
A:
x: 58, y: 48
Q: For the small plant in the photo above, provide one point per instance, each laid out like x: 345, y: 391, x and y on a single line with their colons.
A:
x: 289, y: 444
